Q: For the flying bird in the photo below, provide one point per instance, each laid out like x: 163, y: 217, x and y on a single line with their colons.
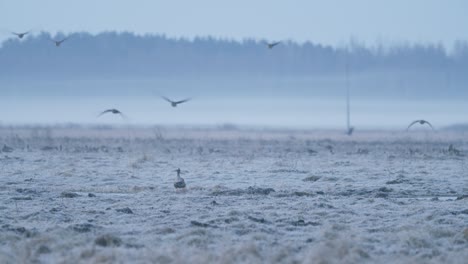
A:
x: 20, y: 35
x: 421, y: 122
x: 272, y: 45
x: 112, y: 111
x: 175, y: 103
x: 58, y: 42
x: 179, y: 183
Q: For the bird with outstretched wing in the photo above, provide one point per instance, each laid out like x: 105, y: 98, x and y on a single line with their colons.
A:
x: 421, y: 122
x: 112, y: 111
x: 272, y: 45
x: 58, y: 42
x: 175, y: 103
x: 21, y: 35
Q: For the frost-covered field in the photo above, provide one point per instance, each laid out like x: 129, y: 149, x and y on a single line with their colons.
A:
x: 87, y: 195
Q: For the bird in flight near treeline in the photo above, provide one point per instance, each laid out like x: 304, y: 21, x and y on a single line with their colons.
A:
x: 421, y: 122
x: 58, y: 42
x: 112, y: 111
x: 175, y: 103
x: 273, y: 44
x: 20, y: 35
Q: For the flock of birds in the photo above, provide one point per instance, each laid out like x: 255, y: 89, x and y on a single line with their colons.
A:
x: 180, y: 182
x: 23, y: 34
x: 270, y: 45
x: 59, y: 42
x: 118, y: 112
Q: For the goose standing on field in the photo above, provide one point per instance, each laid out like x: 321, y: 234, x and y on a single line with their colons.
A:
x: 175, y: 103
x: 112, y: 111
x: 179, y: 183
x: 421, y: 122
x: 20, y: 35
x: 272, y: 45
x: 58, y: 42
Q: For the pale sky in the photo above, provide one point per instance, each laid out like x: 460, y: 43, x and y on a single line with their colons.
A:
x: 327, y: 21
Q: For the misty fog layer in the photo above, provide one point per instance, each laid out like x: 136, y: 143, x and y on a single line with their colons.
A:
x: 301, y: 85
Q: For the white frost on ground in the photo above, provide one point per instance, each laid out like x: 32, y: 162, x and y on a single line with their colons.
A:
x: 88, y: 195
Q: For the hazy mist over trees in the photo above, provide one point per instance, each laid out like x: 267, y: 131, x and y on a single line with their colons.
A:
x: 408, y: 69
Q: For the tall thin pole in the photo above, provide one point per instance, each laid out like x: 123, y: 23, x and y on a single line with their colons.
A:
x: 348, y: 117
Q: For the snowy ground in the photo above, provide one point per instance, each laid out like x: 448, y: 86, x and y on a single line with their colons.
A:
x: 88, y: 195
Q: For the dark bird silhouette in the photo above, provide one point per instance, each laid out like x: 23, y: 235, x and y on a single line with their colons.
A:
x: 112, y: 111
x: 20, y: 35
x: 175, y: 103
x: 179, y: 183
x: 421, y: 122
x: 58, y: 42
x: 272, y: 45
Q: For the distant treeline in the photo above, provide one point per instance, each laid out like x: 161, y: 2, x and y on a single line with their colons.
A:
x: 126, y: 54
